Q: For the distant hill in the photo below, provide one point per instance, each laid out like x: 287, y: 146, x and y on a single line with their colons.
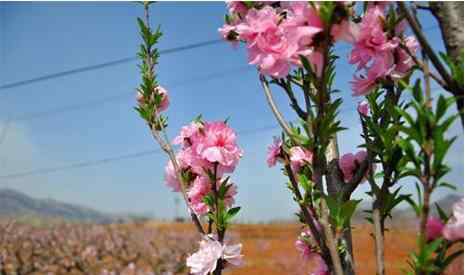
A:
x: 16, y: 204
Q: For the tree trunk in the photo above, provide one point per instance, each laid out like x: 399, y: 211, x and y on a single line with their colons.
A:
x: 450, y: 19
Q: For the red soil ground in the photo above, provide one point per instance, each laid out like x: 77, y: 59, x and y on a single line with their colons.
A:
x: 269, y: 249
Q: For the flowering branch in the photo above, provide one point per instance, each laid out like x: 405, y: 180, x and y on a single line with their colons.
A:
x: 150, y: 104
x: 208, y: 151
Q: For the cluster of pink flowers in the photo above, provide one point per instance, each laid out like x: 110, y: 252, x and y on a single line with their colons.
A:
x: 298, y: 156
x: 378, y: 52
x: 276, y: 35
x: 274, y: 152
x: 159, y: 90
x: 349, y: 163
x: 363, y: 108
x: 207, y: 149
x: 452, y: 230
x: 304, y: 245
x: 205, y: 260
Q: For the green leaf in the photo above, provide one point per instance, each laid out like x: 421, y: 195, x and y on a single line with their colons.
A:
x: 233, y: 211
x: 441, y: 213
x: 348, y: 210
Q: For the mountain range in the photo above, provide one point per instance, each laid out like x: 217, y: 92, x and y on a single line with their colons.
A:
x: 16, y: 204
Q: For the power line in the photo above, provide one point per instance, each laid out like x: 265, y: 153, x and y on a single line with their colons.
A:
x: 105, y: 64
x: 120, y: 96
x: 107, y: 160
x: 130, y: 59
x: 80, y: 164
x: 136, y: 155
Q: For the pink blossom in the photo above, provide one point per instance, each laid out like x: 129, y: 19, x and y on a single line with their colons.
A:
x: 299, y: 157
x: 453, y: 229
x: 349, y: 162
x: 165, y: 101
x: 363, y: 108
x: 205, y: 259
x: 303, y: 248
x: 404, y: 62
x: 382, y: 65
x: 189, y: 159
x: 320, y: 266
x: 217, y: 144
x: 171, y: 178
x: 232, y: 254
x: 140, y: 97
x: 187, y: 132
x: 302, y: 21
x: 371, y: 38
x: 274, y: 43
x: 199, y: 189
x: 377, y: 53
x: 266, y: 43
x: 362, y: 86
x: 300, y: 13
x: 201, y: 186
x: 230, y: 194
x: 226, y: 31
x: 210, y: 251
x: 274, y: 152
x: 237, y: 7
x: 303, y: 244
x: 434, y: 227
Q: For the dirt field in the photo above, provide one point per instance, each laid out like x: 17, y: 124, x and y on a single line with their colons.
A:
x: 269, y: 249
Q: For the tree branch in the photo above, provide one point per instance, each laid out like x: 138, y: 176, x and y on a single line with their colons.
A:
x: 428, y: 49
x: 274, y: 108
x: 294, y: 103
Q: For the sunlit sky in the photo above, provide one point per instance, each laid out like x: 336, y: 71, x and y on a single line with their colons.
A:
x: 87, y: 117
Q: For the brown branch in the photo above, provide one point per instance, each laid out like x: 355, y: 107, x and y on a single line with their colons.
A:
x: 428, y: 49
x: 421, y: 65
x: 330, y: 238
x: 303, y: 208
x: 452, y: 44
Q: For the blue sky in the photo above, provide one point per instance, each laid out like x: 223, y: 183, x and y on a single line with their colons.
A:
x: 42, y: 38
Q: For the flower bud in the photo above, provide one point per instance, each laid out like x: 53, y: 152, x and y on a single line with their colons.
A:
x: 363, y: 108
x: 434, y: 227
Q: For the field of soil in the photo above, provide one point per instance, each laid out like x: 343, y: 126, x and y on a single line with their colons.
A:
x: 269, y: 249
x: 155, y: 248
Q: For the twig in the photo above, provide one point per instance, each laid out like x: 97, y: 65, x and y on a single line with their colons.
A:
x: 166, y: 146
x: 420, y: 64
x: 274, y: 108
x: 451, y: 84
x: 294, y: 103
x: 308, y: 217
